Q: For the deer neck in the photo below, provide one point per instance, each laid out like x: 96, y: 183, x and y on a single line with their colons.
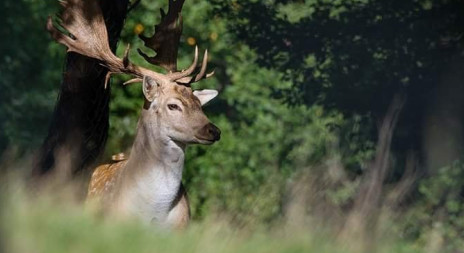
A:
x: 153, y: 173
x: 154, y: 151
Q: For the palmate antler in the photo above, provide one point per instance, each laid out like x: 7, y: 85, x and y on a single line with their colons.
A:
x: 84, y: 22
x: 165, y: 42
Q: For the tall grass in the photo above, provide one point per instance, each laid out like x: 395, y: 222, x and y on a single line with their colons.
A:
x: 54, y: 220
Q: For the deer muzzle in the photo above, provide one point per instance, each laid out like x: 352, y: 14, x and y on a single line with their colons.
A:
x: 209, y: 133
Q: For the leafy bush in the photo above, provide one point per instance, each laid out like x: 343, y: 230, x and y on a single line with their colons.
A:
x: 439, y: 215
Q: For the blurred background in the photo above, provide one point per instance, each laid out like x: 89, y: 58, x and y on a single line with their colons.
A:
x: 340, y: 118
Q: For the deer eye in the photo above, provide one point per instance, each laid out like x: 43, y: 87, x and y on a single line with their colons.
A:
x: 173, y: 107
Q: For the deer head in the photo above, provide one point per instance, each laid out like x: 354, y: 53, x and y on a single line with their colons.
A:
x: 170, y: 103
x: 175, y: 111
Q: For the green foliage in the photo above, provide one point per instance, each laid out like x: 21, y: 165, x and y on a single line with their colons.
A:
x: 263, y: 143
x: 440, y: 210
x: 30, y: 68
x: 361, y: 52
x: 353, y: 56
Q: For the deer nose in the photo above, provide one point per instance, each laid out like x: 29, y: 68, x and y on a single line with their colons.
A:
x: 214, y: 131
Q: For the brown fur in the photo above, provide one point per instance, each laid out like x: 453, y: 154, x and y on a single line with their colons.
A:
x: 187, y: 98
x: 103, y: 181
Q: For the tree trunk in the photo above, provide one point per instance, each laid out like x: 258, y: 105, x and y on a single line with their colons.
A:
x: 361, y: 220
x: 79, y: 127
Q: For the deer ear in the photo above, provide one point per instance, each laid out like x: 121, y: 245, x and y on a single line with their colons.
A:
x: 150, y: 88
x: 205, y: 95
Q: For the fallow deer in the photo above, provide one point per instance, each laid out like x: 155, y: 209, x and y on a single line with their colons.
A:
x: 148, y: 183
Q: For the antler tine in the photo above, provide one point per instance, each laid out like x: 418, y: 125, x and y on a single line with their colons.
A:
x: 201, y: 75
x: 210, y: 74
x: 134, y: 80
x: 178, y: 75
x: 204, y: 64
x: 125, y: 60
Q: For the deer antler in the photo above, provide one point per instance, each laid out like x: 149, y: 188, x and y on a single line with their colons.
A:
x: 185, y: 79
x: 84, y: 22
x: 88, y: 36
x: 165, y: 42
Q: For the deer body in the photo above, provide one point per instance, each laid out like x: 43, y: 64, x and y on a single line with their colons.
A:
x: 147, y: 187
x: 147, y: 184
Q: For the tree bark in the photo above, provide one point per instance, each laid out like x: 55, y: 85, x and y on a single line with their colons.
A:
x: 79, y: 127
